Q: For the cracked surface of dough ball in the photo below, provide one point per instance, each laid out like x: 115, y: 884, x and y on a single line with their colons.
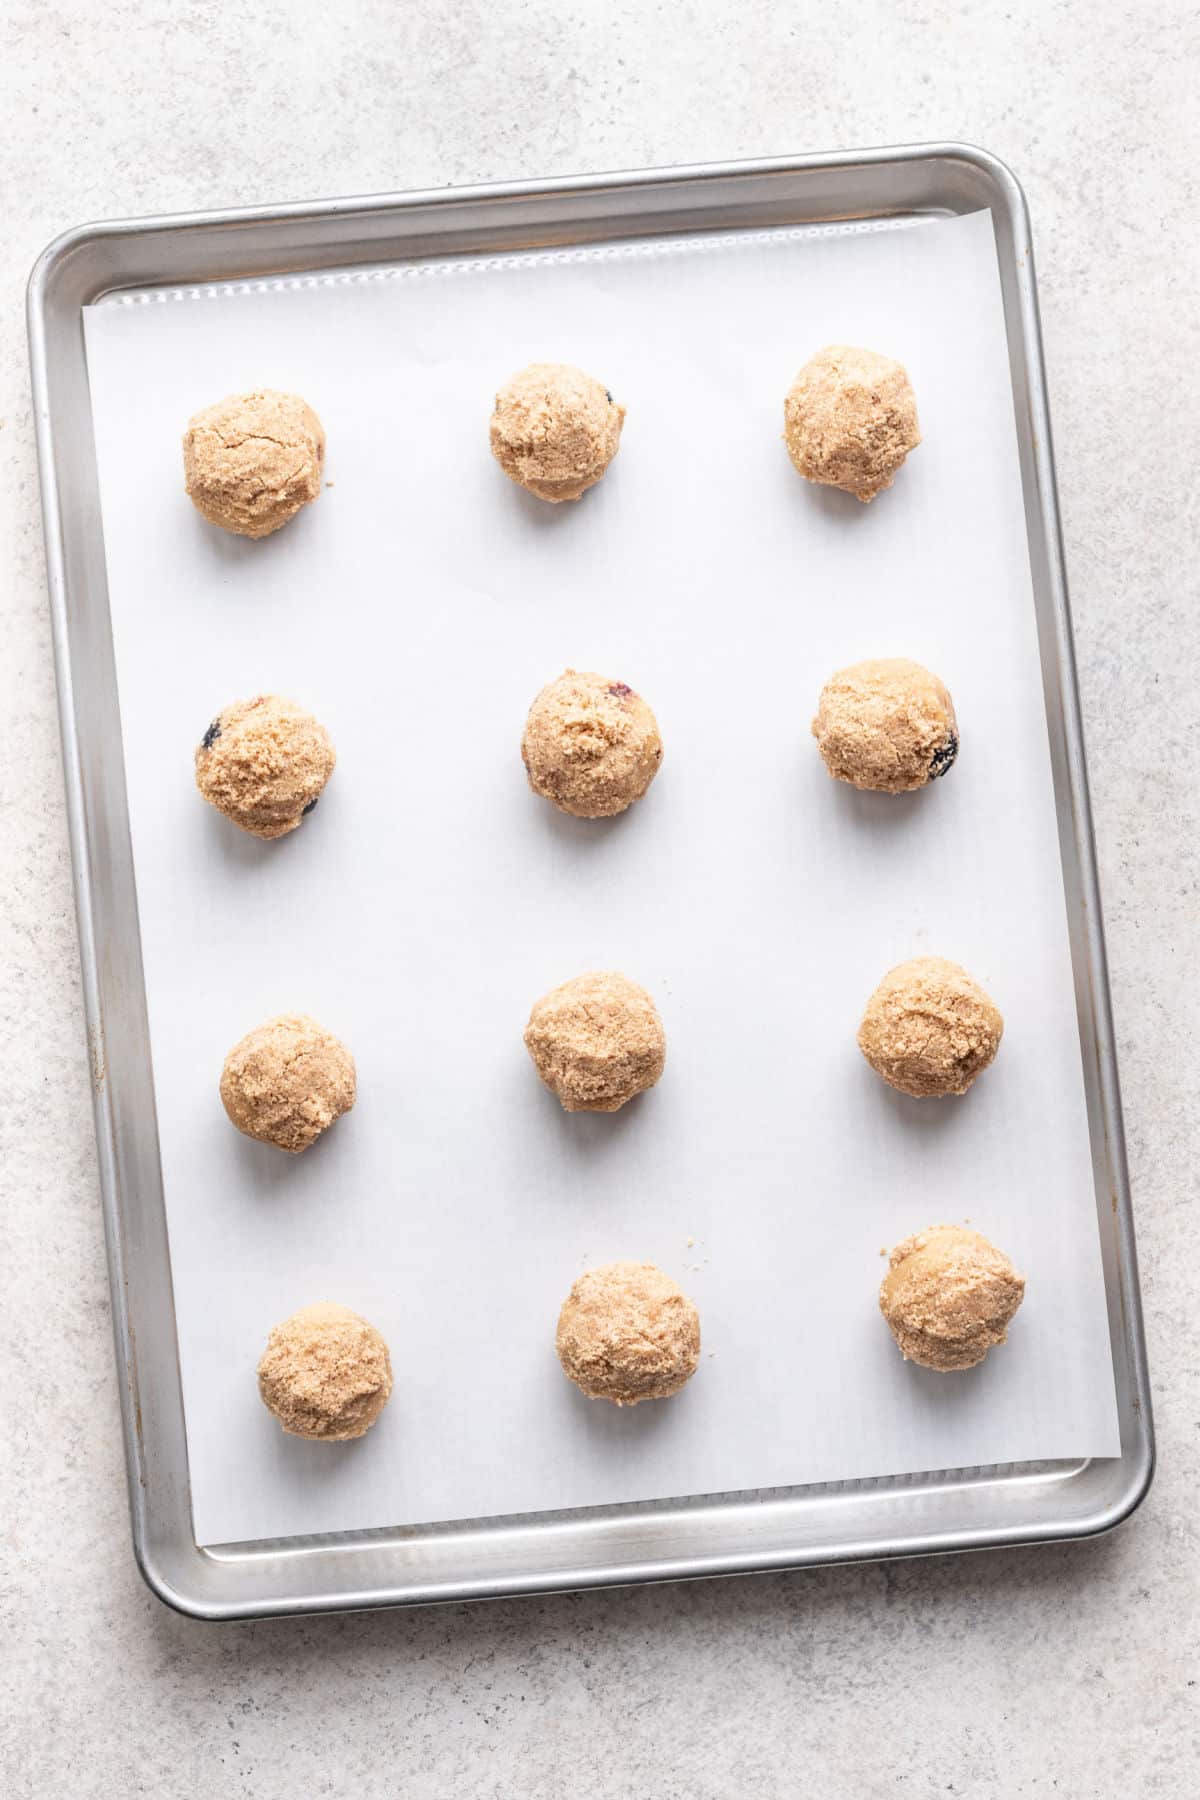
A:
x: 850, y: 419
x: 596, y: 1042
x: 263, y: 763
x: 555, y: 430
x: 591, y: 745
x: 325, y: 1373
x: 929, y: 1029
x: 627, y: 1333
x: 948, y: 1297
x: 288, y: 1081
x: 886, y: 724
x: 253, y: 460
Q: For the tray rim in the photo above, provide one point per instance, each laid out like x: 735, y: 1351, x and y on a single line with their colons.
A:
x: 231, y: 1582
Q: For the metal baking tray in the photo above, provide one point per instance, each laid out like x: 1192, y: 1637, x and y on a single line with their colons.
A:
x: 710, y: 1535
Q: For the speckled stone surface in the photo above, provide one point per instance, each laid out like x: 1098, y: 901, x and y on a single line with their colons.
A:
x: 1067, y: 1672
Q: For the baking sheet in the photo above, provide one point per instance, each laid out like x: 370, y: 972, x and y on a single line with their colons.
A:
x: 417, y: 608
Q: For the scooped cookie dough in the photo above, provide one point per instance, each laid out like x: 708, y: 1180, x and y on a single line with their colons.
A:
x: 929, y: 1029
x: 325, y: 1373
x: 850, y: 419
x: 287, y: 1082
x: 596, y: 1042
x: 948, y: 1297
x: 591, y: 745
x: 555, y: 430
x: 252, y: 461
x: 264, y: 763
x: 886, y: 724
x: 626, y: 1333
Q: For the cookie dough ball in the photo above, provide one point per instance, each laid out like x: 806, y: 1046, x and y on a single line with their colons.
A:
x: 929, y: 1029
x: 325, y: 1373
x: 948, y: 1296
x: 850, y: 420
x: 591, y: 745
x: 263, y: 763
x: 252, y: 461
x: 287, y: 1082
x: 555, y: 430
x: 886, y: 724
x: 626, y: 1333
x: 596, y: 1042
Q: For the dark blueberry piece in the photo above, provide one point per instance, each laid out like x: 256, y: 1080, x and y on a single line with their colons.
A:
x: 608, y: 396
x: 310, y: 806
x: 211, y: 735
x: 620, y: 690
x: 943, y: 757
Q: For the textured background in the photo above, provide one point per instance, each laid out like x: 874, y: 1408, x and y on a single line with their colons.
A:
x: 1065, y: 1671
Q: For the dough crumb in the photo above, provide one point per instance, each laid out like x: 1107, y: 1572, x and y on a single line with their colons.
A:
x: 252, y: 461
x: 591, y: 745
x: 288, y: 1081
x: 627, y: 1333
x: 850, y: 419
x: 596, y: 1041
x: 264, y: 764
x: 555, y: 430
x: 887, y: 725
x: 929, y: 1029
x: 325, y: 1373
x: 948, y: 1297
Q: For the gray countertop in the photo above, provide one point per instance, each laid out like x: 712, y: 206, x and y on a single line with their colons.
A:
x: 1068, y: 1671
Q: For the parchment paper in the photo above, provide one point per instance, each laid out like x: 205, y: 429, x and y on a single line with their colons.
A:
x: 417, y: 608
